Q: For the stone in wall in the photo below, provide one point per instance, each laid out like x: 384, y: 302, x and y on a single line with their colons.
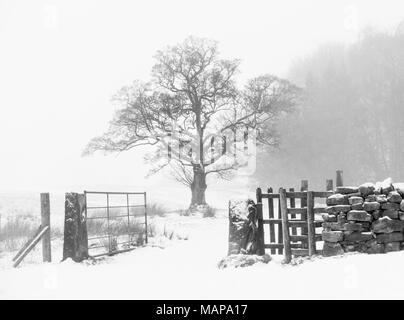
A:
x: 387, y: 225
x: 347, y: 190
x: 337, y: 209
x: 333, y: 236
x: 392, y: 214
x: 337, y: 199
x: 341, y: 218
x: 329, y: 217
x: 371, y: 198
x: 381, y: 198
x: 371, y: 206
x: 366, y: 189
x: 390, y: 206
x: 359, y: 215
x: 376, y: 214
x: 357, y: 206
x: 335, y: 226
x: 389, y: 237
x: 395, y: 197
x: 355, y: 200
x: 392, y: 246
x: 332, y: 249
x: 357, y: 236
x: 375, y: 247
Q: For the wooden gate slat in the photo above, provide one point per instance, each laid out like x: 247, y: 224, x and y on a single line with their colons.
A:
x: 271, y: 216
x: 261, y: 241
x: 303, y: 203
x: 293, y: 211
x: 280, y: 229
x: 292, y: 206
x: 280, y: 245
x: 272, y: 221
x: 285, y: 225
x: 310, y: 223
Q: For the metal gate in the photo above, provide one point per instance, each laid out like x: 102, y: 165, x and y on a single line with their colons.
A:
x: 116, y: 221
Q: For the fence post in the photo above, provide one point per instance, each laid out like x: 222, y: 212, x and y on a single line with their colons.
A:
x: 310, y: 223
x: 280, y: 231
x: 340, y: 178
x: 260, y: 242
x: 293, y: 205
x: 75, y: 245
x: 45, y: 222
x: 271, y: 216
x: 145, y: 218
x: 285, y: 225
x: 329, y: 185
x: 304, y: 187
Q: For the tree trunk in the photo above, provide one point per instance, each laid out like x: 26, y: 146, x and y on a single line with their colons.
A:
x: 198, y: 186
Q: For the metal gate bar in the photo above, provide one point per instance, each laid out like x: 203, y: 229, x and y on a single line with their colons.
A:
x: 113, y: 237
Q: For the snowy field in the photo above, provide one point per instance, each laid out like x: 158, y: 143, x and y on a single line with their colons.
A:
x: 187, y: 269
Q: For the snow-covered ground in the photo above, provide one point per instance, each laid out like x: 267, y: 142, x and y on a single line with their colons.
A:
x: 187, y: 269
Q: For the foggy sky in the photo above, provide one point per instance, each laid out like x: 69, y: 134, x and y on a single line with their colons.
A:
x: 61, y: 61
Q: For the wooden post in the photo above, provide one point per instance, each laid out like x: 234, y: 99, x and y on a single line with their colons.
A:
x: 75, y: 244
x: 329, y: 185
x: 271, y: 216
x: 303, y: 203
x: 25, y: 246
x: 285, y: 225
x: 261, y: 240
x: 17, y: 260
x: 145, y: 218
x: 304, y: 186
x: 45, y: 222
x: 340, y: 178
x: 280, y: 230
x: 310, y: 223
x: 293, y: 205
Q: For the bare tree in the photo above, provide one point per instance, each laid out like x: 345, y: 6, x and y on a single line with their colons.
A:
x: 193, y: 97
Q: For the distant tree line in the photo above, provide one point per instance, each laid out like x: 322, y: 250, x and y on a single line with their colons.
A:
x: 352, y: 117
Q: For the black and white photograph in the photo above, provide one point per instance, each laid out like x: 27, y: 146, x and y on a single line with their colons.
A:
x: 189, y: 150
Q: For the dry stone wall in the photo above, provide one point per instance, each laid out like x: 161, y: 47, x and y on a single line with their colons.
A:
x: 368, y: 218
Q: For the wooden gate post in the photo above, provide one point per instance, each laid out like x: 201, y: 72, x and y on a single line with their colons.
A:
x: 260, y: 222
x: 293, y: 205
x: 285, y: 225
x: 304, y: 187
x: 75, y: 245
x: 310, y: 223
x: 271, y: 216
x: 340, y: 178
x: 45, y: 222
x: 280, y: 230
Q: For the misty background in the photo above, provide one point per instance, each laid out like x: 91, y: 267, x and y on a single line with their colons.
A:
x: 61, y: 62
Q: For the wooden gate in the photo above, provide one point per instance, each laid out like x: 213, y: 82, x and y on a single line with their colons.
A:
x: 293, y: 231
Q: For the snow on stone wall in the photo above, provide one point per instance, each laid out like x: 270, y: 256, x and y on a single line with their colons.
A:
x: 368, y: 218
